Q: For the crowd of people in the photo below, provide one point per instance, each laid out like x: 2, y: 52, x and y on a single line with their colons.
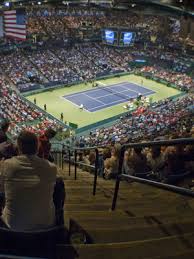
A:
x: 169, y: 119
x: 57, y: 23
x: 28, y: 69
x: 146, y: 123
x: 21, y: 114
x: 20, y: 70
x: 52, y: 67
x: 181, y: 80
x: 169, y: 164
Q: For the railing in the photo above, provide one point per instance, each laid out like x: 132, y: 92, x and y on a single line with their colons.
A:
x: 89, y: 166
x: 59, y: 160
x: 72, y: 160
x: 179, y: 190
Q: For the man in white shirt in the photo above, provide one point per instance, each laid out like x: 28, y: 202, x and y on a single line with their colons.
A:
x: 29, y: 183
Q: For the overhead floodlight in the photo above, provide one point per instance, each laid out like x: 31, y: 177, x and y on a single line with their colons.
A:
x: 39, y: 3
x: 7, y: 4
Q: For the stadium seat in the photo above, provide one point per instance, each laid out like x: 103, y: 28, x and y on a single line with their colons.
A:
x: 40, y: 243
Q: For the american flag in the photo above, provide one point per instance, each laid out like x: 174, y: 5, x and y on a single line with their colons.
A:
x: 15, y: 24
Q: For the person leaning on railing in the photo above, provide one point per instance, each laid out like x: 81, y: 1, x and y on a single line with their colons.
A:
x: 30, y: 187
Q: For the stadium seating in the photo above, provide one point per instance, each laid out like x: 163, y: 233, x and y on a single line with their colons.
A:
x: 148, y: 223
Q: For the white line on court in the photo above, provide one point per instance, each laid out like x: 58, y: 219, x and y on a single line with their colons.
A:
x: 77, y: 105
x: 119, y: 101
x: 93, y: 90
x: 117, y: 94
x: 95, y: 99
x: 102, y: 83
x: 145, y: 87
x: 101, y: 106
x: 136, y: 91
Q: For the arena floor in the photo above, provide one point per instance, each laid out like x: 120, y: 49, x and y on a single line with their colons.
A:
x: 56, y: 100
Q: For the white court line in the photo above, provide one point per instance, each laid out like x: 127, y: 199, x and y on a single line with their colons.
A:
x: 145, y: 87
x: 93, y: 90
x: 90, y: 98
x: 94, y: 98
x: 104, y: 104
x: 102, y: 83
x: 115, y: 93
x: 110, y: 104
x: 119, y: 101
x: 75, y: 104
x: 139, y: 89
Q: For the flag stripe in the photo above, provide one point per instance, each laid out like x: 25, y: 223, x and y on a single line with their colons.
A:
x: 10, y: 19
x: 9, y: 22
x: 16, y: 35
x: 10, y: 16
x: 15, y: 26
x: 9, y: 12
x: 16, y: 38
x: 15, y: 31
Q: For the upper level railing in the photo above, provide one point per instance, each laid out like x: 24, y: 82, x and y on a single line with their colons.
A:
x: 72, y: 153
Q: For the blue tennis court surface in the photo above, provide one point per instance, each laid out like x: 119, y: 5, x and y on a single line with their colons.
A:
x: 104, y: 97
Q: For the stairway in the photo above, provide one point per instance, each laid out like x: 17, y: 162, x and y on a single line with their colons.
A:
x: 147, y: 223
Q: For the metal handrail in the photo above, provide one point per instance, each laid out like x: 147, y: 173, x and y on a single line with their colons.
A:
x: 163, y: 186
x: 96, y: 165
x: 182, y: 141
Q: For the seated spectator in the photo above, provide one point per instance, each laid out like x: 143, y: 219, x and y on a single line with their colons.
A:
x: 175, y: 159
x: 137, y: 162
x: 3, y: 129
x: 156, y: 160
x: 29, y: 185
x: 111, y: 164
x: 45, y: 145
x: 7, y: 149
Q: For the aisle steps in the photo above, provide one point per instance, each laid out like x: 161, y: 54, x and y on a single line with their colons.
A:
x: 147, y: 223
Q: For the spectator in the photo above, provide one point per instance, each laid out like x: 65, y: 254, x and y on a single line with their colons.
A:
x: 137, y: 162
x: 156, y: 159
x: 7, y: 149
x: 3, y: 130
x: 45, y: 145
x: 29, y: 184
x: 175, y: 163
x: 111, y: 164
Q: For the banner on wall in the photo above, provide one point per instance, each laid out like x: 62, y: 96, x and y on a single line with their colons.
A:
x: 1, y: 26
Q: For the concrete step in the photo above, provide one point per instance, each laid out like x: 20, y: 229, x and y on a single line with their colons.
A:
x: 187, y: 254
x: 110, y: 220
x: 132, y: 210
x: 163, y: 247
x: 102, y: 233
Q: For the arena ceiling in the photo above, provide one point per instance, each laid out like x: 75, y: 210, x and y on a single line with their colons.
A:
x: 179, y: 4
